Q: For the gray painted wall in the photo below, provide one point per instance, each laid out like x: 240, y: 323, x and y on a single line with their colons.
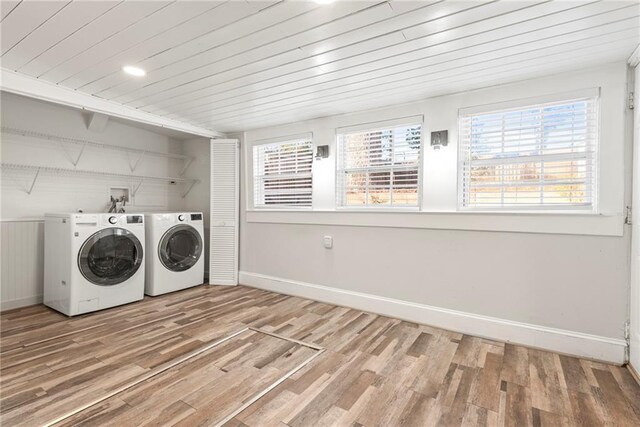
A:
x: 578, y: 283
x: 573, y: 282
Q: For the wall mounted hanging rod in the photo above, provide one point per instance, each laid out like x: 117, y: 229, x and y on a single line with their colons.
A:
x: 64, y: 171
x: 83, y: 143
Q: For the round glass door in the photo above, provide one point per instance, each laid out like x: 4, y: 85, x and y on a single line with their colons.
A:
x: 180, y: 248
x: 110, y: 256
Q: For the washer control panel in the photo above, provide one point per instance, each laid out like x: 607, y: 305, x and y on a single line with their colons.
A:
x: 135, y: 219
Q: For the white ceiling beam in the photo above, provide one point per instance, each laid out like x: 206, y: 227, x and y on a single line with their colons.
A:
x: 34, y: 88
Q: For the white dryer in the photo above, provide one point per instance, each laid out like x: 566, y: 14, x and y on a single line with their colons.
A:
x: 93, y: 261
x: 175, y: 244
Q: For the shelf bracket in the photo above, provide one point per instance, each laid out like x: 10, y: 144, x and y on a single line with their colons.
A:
x: 186, y: 165
x: 80, y: 154
x: 20, y: 182
x: 74, y: 160
x: 135, y: 190
x: 189, y: 188
x: 33, y: 183
x: 137, y: 161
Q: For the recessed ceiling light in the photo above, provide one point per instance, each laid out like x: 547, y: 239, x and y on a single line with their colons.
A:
x: 134, y: 71
x: 324, y: 1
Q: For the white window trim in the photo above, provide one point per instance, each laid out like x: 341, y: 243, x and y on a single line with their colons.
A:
x: 609, y: 221
x: 283, y: 139
x: 593, y: 92
x: 399, y: 121
x: 594, y: 210
x: 249, y: 175
x: 360, y: 127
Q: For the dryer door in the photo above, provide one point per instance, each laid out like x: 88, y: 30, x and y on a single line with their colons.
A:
x: 180, y: 248
x: 110, y: 256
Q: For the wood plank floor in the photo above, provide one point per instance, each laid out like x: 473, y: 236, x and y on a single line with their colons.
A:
x: 204, y: 389
x: 377, y: 371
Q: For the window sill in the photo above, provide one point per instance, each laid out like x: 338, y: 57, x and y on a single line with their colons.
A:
x: 575, y: 223
x: 283, y: 209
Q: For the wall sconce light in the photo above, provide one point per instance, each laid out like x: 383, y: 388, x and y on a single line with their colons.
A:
x: 322, y: 152
x: 439, y: 138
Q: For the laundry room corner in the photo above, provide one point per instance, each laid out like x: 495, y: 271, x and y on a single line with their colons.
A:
x: 319, y: 212
x: 58, y: 158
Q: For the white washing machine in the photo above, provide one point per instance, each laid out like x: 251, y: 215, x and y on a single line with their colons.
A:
x: 175, y: 245
x: 93, y: 261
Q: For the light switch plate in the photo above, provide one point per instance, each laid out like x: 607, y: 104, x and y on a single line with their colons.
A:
x: 328, y: 242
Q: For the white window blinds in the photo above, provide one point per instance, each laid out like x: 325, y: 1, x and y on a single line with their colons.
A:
x: 379, y: 167
x: 537, y: 157
x: 282, y: 174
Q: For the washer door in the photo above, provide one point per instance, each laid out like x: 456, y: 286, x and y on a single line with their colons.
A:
x: 110, y: 256
x: 180, y: 248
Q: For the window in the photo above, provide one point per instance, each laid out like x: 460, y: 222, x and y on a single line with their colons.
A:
x: 282, y: 174
x: 379, y: 167
x: 537, y: 157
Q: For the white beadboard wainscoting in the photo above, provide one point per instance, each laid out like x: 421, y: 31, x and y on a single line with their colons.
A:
x: 22, y: 262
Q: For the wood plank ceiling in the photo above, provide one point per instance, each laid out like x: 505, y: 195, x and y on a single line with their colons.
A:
x: 238, y: 65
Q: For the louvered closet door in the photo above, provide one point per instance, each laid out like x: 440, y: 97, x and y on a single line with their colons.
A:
x: 223, y: 247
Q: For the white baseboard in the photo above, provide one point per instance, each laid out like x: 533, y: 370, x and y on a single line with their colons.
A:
x: 559, y: 340
x: 22, y: 302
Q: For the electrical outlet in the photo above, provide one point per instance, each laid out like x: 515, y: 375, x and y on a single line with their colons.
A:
x: 328, y: 242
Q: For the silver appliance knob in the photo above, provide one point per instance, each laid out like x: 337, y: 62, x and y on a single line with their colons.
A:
x: 180, y: 217
x: 113, y: 219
